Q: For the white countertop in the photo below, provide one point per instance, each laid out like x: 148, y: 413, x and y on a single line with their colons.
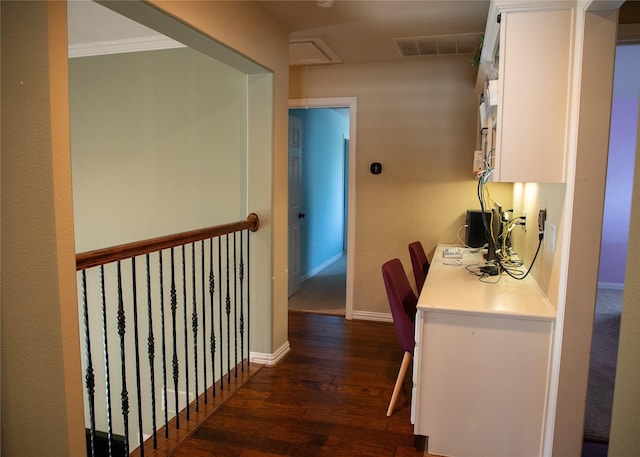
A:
x: 450, y: 287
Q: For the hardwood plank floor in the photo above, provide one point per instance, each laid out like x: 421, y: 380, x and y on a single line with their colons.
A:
x: 327, y: 398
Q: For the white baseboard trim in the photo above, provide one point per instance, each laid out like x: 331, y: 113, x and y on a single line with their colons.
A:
x: 270, y: 359
x: 611, y: 285
x: 321, y: 267
x: 370, y: 316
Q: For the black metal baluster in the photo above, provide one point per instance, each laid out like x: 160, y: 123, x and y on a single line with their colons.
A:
x: 151, y: 354
x: 124, y: 395
x: 89, y: 376
x: 212, y: 336
x: 235, y: 305
x: 186, y: 338
x: 106, y: 362
x: 242, y: 300
x: 174, y: 360
x: 137, y: 352
x: 204, y: 326
x: 164, y: 350
x: 228, y: 310
x: 194, y: 322
x: 220, y: 308
x: 248, y: 299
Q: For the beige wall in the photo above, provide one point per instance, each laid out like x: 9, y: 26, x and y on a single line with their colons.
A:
x: 418, y: 118
x: 41, y: 382
x: 529, y: 199
x: 594, y: 86
x: 625, y: 423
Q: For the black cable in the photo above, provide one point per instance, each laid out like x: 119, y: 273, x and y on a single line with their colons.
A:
x: 520, y: 278
x: 499, y: 260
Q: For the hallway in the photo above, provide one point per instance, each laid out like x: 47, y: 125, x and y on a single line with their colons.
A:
x: 323, y: 293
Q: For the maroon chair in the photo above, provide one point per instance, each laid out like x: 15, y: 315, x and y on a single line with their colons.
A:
x: 419, y: 263
x: 403, y: 302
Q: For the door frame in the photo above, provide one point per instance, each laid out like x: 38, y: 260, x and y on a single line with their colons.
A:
x: 342, y: 102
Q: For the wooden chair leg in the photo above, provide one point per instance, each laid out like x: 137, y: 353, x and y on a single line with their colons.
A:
x: 401, y: 374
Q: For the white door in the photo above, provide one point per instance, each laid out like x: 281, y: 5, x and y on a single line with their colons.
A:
x: 295, y: 210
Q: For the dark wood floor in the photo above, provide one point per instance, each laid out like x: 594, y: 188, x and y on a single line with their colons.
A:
x: 327, y: 398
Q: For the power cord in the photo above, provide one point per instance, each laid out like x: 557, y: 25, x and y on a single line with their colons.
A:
x: 522, y: 276
x: 503, y: 259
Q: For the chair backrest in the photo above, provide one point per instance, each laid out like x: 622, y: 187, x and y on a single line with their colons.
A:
x: 402, y: 301
x: 419, y: 263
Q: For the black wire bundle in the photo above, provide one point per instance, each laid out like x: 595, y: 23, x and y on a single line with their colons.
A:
x: 504, y: 260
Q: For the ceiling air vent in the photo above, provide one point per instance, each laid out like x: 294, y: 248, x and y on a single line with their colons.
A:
x: 464, y: 43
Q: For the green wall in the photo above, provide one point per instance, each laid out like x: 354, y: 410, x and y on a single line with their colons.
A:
x: 158, y: 145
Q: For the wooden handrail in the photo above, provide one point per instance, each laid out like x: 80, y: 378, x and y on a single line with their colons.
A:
x: 103, y: 256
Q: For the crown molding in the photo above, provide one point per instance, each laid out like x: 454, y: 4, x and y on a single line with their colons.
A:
x: 98, y: 48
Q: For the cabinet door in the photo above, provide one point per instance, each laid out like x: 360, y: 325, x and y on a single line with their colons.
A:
x: 533, y: 106
x: 482, y: 384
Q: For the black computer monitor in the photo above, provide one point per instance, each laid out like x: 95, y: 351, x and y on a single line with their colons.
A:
x: 485, y: 229
x: 476, y: 232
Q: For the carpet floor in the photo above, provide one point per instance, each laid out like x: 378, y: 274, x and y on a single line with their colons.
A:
x: 324, y: 292
x: 602, y: 368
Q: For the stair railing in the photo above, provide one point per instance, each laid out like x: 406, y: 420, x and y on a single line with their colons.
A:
x: 187, y: 292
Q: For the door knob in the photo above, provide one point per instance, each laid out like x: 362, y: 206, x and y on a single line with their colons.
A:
x: 300, y: 215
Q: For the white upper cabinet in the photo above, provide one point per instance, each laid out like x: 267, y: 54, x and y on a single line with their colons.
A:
x: 534, y: 56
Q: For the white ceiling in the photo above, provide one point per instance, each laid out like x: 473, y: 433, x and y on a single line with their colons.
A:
x: 353, y: 30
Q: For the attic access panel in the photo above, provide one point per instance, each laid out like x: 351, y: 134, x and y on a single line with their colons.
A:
x: 311, y: 51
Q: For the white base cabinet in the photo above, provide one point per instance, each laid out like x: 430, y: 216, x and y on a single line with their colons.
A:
x: 481, y: 363
x: 480, y: 384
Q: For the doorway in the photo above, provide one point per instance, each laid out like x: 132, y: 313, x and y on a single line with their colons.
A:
x: 326, y: 207
x: 613, y: 251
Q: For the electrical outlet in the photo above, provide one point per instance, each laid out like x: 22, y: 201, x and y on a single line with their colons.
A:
x: 524, y: 221
x: 542, y: 217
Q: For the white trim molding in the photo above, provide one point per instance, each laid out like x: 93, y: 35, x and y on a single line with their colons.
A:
x: 351, y: 103
x: 270, y: 359
x: 322, y: 266
x: 371, y: 316
x: 98, y: 48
